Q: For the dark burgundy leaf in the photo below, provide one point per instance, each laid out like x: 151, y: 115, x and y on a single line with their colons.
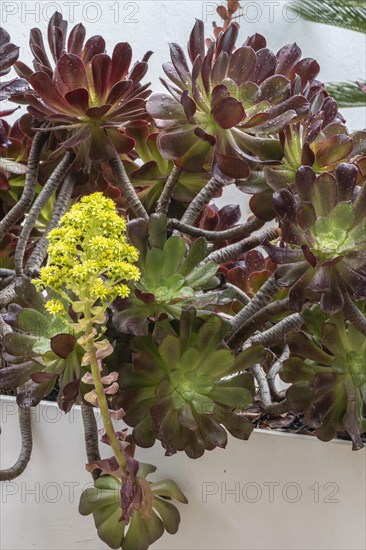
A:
x: 63, y: 344
x: 228, y: 112
x: 257, y: 42
x: 41, y: 377
x: 196, y: 44
x: 287, y: 57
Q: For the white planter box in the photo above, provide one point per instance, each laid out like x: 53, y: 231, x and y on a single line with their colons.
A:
x: 276, y: 491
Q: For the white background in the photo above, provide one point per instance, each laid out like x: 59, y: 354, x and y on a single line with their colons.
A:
x: 317, y: 500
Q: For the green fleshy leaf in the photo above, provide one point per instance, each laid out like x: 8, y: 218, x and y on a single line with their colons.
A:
x: 342, y: 216
x: 19, y: 344
x: 168, y: 488
x: 174, y: 251
x: 35, y: 323
x: 154, y: 263
x: 197, y: 253
x: 201, y: 275
x: 168, y: 513
x: 157, y: 230
x: 235, y: 398
x: 111, y: 530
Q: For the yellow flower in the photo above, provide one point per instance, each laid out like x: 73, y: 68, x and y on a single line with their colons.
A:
x: 89, y: 242
x: 55, y: 307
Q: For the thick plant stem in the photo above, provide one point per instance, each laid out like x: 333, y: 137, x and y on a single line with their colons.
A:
x: 128, y: 190
x: 40, y: 251
x: 14, y: 215
x: 257, y: 321
x: 201, y: 200
x: 6, y: 273
x: 26, y: 450
x: 238, y: 231
x: 8, y: 294
x: 168, y: 191
x: 90, y: 435
x: 354, y: 315
x: 234, y: 250
x: 53, y: 182
x: 277, y: 333
x: 103, y: 406
x: 267, y: 405
x: 273, y: 372
x: 260, y: 300
x: 239, y: 294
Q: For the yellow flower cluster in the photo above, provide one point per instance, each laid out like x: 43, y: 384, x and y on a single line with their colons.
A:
x: 89, y: 255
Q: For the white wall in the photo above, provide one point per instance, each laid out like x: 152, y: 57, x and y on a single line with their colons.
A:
x: 275, y: 491
x: 151, y: 25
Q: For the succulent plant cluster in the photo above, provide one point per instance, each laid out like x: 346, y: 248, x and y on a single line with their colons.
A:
x: 124, y: 287
x: 84, y: 91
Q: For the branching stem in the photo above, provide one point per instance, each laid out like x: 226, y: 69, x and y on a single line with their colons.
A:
x: 260, y: 300
x: 40, y: 251
x: 19, y: 209
x: 91, y: 435
x: 168, y: 191
x: 234, y: 250
x: 267, y: 405
x: 128, y: 190
x: 276, y: 334
x: 238, y: 231
x: 201, y: 200
x: 53, y: 182
x: 26, y: 450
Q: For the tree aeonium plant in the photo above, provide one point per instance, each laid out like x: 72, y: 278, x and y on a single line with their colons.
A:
x: 149, y: 304
x: 89, y: 264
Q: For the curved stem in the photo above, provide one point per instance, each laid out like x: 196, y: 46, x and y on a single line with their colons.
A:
x: 6, y: 273
x: 354, y: 315
x: 26, y: 450
x: 234, y: 250
x: 276, y: 335
x: 266, y: 401
x: 274, y: 371
x: 128, y: 190
x: 242, y: 230
x: 257, y: 321
x: 8, y: 294
x: 40, y: 250
x: 14, y: 215
x: 201, y: 200
x: 90, y: 435
x: 239, y: 294
x: 168, y: 191
x: 53, y: 182
x: 260, y: 300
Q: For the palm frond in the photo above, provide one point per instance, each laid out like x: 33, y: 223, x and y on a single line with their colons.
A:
x: 347, y: 94
x: 348, y: 14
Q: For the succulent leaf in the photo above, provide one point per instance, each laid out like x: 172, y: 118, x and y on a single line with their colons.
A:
x: 185, y: 390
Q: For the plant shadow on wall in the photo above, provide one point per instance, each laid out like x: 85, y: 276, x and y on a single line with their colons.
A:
x: 123, y: 288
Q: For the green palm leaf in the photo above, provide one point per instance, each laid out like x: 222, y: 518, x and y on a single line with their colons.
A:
x: 347, y: 94
x: 348, y: 14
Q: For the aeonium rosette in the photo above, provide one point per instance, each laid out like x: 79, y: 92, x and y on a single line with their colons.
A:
x: 87, y: 94
x: 327, y: 370
x: 231, y: 104
x: 322, y: 253
x: 190, y: 389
